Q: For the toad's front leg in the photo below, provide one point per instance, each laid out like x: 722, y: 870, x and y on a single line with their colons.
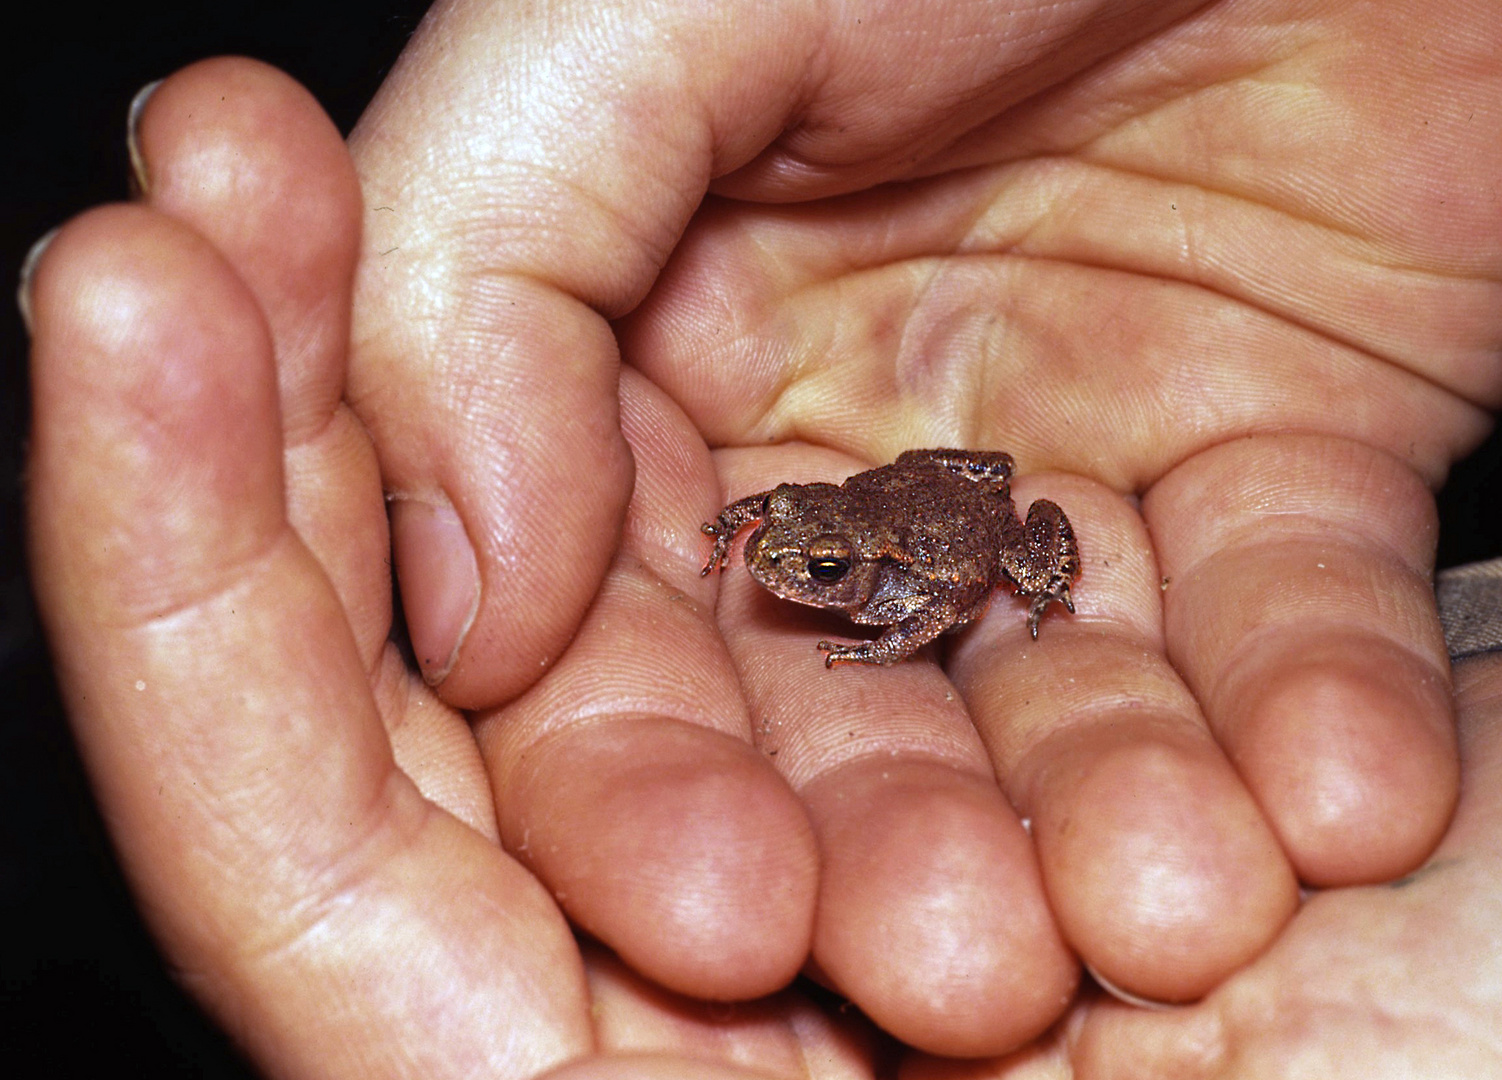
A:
x: 1043, y: 559
x: 729, y: 522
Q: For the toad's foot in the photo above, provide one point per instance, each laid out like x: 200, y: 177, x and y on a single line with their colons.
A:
x: 729, y: 522
x: 864, y: 653
x: 1057, y: 590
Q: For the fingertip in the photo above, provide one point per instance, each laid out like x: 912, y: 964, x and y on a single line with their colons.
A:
x: 232, y: 128
x: 1160, y: 867
x: 688, y: 857
x: 246, y: 156
x: 154, y: 410
x: 1349, y: 744
x: 129, y: 303
x: 1302, y: 614
x: 152, y: 356
x: 932, y: 914
x: 513, y: 419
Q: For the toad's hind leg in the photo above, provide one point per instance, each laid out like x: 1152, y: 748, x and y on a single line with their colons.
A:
x: 897, y: 642
x: 992, y: 465
x: 1045, y: 562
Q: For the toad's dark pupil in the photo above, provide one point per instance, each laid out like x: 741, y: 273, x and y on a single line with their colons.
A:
x: 828, y: 571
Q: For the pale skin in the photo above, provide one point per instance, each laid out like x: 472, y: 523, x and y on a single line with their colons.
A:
x: 210, y: 531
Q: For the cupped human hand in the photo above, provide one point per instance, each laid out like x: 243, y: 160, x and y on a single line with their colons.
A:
x: 310, y: 832
x: 1221, y: 276
x: 1377, y: 982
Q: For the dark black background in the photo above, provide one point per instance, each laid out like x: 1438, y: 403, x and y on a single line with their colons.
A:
x: 81, y: 987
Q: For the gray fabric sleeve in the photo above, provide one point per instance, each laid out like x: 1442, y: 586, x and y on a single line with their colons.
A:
x: 1470, y: 607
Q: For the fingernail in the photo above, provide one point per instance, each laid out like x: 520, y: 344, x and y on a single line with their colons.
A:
x: 28, y: 267
x: 1127, y: 996
x: 439, y: 580
x: 138, y: 178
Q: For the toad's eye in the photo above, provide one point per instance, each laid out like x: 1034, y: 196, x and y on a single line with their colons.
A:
x: 829, y: 558
x: 828, y: 571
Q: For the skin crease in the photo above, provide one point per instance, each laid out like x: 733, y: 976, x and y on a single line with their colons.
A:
x: 153, y: 358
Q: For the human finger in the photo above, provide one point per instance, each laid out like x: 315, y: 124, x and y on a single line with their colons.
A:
x: 1299, y: 607
x: 1162, y: 870
x: 798, y: 1032
x: 247, y: 158
x: 628, y: 777
x: 233, y: 131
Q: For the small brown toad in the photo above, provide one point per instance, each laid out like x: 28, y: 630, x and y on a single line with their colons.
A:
x: 915, y: 547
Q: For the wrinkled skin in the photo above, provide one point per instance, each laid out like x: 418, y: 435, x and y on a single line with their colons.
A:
x: 1192, y: 264
x: 916, y: 547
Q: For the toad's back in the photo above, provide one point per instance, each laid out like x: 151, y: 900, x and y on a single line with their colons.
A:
x: 926, y: 513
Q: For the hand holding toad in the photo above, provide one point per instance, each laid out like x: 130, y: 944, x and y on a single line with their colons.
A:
x: 880, y: 268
